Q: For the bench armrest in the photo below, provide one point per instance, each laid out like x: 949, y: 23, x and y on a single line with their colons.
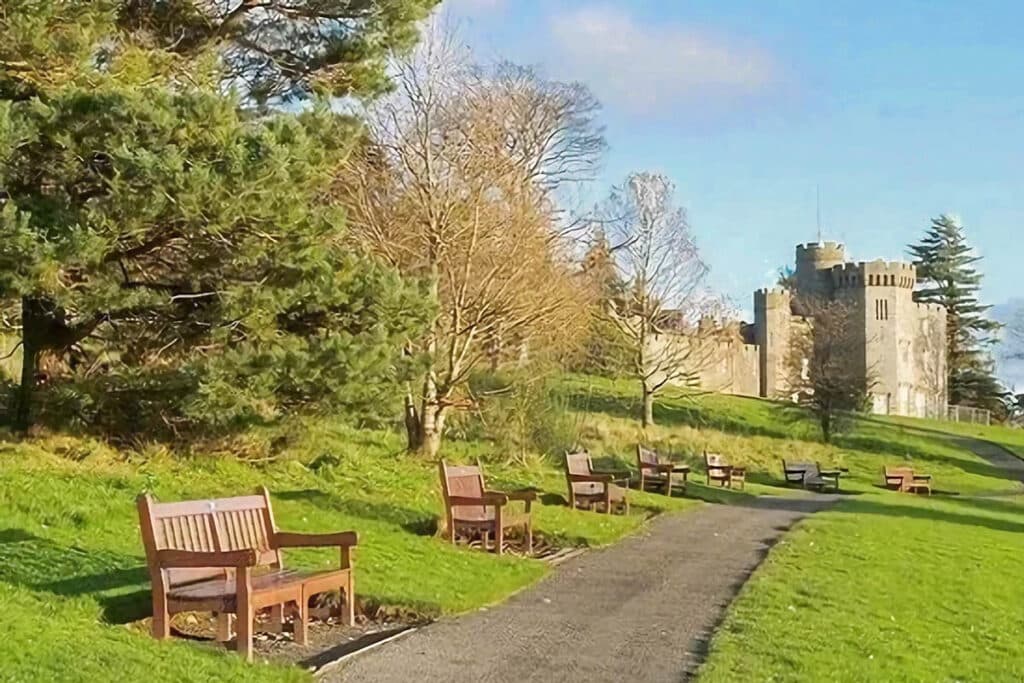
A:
x: 344, y: 539
x: 522, y: 495
x: 182, y: 559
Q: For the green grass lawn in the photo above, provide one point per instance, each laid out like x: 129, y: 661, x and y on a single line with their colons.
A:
x: 884, y: 588
x: 73, y: 587
x: 71, y: 563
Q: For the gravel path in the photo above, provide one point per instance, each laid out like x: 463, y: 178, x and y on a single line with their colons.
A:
x: 642, y: 609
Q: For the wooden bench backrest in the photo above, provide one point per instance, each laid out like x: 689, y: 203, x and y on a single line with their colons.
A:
x: 463, y: 481
x: 239, y: 523
x: 715, y: 463
x: 645, y: 456
x: 578, y: 463
x: 905, y: 472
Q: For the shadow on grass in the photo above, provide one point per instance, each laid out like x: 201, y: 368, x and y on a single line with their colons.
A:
x: 874, y: 506
x: 417, y: 522
x: 116, y: 582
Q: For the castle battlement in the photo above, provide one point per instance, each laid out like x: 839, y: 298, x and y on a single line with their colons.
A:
x: 818, y: 247
x: 774, y: 297
x: 874, y: 274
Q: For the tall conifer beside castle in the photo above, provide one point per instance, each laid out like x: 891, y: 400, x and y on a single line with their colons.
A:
x: 946, y: 266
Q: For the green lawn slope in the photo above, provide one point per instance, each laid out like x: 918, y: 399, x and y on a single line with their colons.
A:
x: 73, y: 587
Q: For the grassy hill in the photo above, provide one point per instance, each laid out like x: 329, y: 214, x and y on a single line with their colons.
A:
x: 72, y: 583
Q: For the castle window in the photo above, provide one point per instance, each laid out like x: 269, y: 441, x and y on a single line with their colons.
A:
x: 881, y: 309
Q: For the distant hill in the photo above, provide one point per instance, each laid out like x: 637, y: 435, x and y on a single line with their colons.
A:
x: 1011, y: 371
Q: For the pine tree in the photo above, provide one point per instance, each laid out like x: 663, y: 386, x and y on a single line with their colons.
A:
x: 148, y: 220
x: 946, y: 267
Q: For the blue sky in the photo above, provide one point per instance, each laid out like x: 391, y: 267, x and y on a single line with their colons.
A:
x: 898, y: 110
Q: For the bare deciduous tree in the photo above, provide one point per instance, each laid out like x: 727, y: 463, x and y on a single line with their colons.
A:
x: 666, y: 298
x: 455, y: 184
x: 825, y: 362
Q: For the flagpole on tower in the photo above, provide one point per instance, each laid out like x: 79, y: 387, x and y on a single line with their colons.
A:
x: 817, y: 196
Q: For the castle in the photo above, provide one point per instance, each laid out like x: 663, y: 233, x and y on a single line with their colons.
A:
x: 903, y: 342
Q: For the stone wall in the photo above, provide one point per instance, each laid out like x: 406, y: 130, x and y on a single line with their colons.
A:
x: 720, y: 360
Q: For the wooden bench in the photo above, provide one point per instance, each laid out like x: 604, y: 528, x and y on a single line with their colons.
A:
x: 810, y: 475
x: 718, y: 469
x: 588, y: 487
x: 470, y: 508
x: 224, y: 556
x: 654, y: 469
x: 906, y: 480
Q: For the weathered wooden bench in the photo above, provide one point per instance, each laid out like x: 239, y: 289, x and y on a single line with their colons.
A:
x: 588, y: 487
x: 471, y: 509
x: 660, y: 472
x: 718, y: 469
x: 906, y: 480
x: 224, y: 556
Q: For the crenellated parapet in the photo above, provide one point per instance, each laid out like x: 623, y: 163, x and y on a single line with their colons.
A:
x: 879, y: 273
x: 821, y: 251
x: 774, y: 297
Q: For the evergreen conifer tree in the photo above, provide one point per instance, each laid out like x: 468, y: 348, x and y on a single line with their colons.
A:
x: 149, y: 222
x: 946, y: 268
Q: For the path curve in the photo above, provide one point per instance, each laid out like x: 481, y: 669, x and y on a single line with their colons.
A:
x: 643, y: 609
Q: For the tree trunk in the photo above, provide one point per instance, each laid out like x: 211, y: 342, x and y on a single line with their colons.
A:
x: 431, y: 429
x: 412, y: 423
x: 424, y: 426
x: 30, y: 333
x: 826, y: 426
x: 648, y: 416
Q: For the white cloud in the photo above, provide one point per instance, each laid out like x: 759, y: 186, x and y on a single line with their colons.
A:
x: 645, y: 66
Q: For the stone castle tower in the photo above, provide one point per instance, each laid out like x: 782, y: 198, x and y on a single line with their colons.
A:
x: 903, y: 341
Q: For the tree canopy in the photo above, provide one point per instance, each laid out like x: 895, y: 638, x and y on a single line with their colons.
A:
x: 154, y: 234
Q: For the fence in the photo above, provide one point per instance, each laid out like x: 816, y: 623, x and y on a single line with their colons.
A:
x: 979, y: 416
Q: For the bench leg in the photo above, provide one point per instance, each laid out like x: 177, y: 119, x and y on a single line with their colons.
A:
x: 276, y: 619
x: 243, y: 599
x: 244, y: 632
x: 301, y: 623
x: 161, y: 619
x: 350, y: 601
x: 499, y: 538
x: 529, y: 536
x: 668, y: 485
x: 223, y: 627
